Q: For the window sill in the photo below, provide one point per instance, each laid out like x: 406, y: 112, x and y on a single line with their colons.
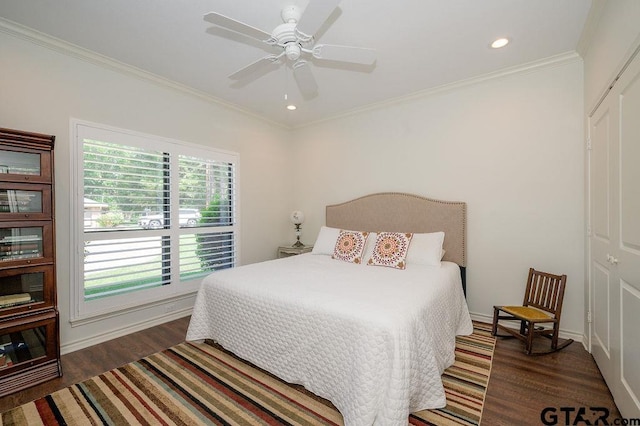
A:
x: 85, y: 319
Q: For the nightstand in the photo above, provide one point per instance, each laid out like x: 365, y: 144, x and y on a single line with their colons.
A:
x: 286, y: 251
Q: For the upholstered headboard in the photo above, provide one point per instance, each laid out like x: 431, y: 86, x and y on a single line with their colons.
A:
x: 399, y: 212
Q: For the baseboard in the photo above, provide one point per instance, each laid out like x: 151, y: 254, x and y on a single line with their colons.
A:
x: 585, y: 343
x: 123, y: 331
x: 564, y: 334
x: 161, y: 319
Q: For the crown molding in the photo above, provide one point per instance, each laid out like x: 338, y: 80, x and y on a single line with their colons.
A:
x: 69, y: 49
x: 552, y: 61
x: 41, y: 39
x: 590, y: 26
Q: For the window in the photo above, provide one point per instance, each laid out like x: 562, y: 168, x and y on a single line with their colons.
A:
x: 151, y: 217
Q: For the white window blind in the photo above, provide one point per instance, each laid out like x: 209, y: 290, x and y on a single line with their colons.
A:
x: 156, y: 216
x: 123, y: 183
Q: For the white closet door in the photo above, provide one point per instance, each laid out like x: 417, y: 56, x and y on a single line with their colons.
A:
x: 604, y: 298
x: 614, y: 196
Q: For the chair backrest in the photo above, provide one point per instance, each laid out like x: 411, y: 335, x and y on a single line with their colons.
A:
x: 545, y: 291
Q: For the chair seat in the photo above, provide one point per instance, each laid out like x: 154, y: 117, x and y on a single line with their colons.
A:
x: 526, y: 313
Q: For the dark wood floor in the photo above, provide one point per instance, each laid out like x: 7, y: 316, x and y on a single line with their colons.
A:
x: 564, y: 383
x: 520, y: 388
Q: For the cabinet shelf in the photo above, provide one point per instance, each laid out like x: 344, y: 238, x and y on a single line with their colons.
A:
x: 25, y: 242
x: 23, y: 201
x: 29, y: 351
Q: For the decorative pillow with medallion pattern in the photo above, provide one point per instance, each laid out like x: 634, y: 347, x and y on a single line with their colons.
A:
x: 391, y: 250
x: 350, y: 246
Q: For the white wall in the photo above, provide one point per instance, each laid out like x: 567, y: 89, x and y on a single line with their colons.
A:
x: 511, y: 147
x: 41, y: 89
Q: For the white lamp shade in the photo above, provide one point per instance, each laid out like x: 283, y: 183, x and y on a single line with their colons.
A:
x: 297, y: 217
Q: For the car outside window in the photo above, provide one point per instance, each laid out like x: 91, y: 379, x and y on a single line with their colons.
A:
x: 187, y: 218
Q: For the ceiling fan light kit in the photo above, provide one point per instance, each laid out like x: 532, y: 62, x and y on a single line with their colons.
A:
x: 292, y: 51
x: 296, y: 39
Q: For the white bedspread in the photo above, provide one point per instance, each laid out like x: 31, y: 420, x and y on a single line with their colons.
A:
x: 372, y: 340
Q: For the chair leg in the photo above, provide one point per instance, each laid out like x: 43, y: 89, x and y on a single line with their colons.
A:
x: 494, y: 329
x: 556, y: 345
x: 554, y: 338
x: 530, y: 335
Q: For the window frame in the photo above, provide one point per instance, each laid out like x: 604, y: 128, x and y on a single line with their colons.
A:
x: 81, y: 309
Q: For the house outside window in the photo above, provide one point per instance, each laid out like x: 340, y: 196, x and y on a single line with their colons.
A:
x: 151, y: 218
x: 92, y: 212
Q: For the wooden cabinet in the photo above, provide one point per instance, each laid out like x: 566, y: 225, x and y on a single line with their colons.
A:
x: 29, y: 324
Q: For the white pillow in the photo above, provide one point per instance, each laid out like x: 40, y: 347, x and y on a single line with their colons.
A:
x: 326, y: 241
x: 426, y: 249
x: 369, y: 246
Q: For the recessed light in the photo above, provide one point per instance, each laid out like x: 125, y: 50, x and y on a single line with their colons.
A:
x: 291, y: 107
x: 501, y: 42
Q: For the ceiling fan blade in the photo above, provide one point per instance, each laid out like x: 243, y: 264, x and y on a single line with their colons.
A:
x: 305, y: 79
x: 255, y: 66
x: 315, y: 15
x: 237, y: 26
x: 356, y: 55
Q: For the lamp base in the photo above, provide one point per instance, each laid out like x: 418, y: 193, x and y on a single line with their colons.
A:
x: 297, y: 243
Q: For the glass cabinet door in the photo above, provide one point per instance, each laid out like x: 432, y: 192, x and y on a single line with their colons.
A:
x: 27, y: 343
x: 24, y: 243
x: 22, y: 288
x: 20, y: 201
x: 25, y: 165
x: 25, y: 201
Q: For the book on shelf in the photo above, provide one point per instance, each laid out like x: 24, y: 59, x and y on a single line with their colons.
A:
x: 14, y: 299
x: 15, y: 249
x: 8, y: 257
x: 8, y: 350
x: 19, y: 247
x: 20, y: 238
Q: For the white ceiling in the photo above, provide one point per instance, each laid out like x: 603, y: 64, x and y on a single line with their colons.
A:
x: 420, y: 44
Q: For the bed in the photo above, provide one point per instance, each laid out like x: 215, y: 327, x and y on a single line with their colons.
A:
x: 373, y: 340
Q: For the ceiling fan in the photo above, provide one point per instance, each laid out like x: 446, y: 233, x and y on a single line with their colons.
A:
x: 295, y: 40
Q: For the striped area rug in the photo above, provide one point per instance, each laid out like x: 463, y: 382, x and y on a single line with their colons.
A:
x: 465, y: 382
x: 192, y: 384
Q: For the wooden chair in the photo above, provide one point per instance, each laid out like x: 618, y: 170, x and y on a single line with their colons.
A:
x: 542, y: 305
